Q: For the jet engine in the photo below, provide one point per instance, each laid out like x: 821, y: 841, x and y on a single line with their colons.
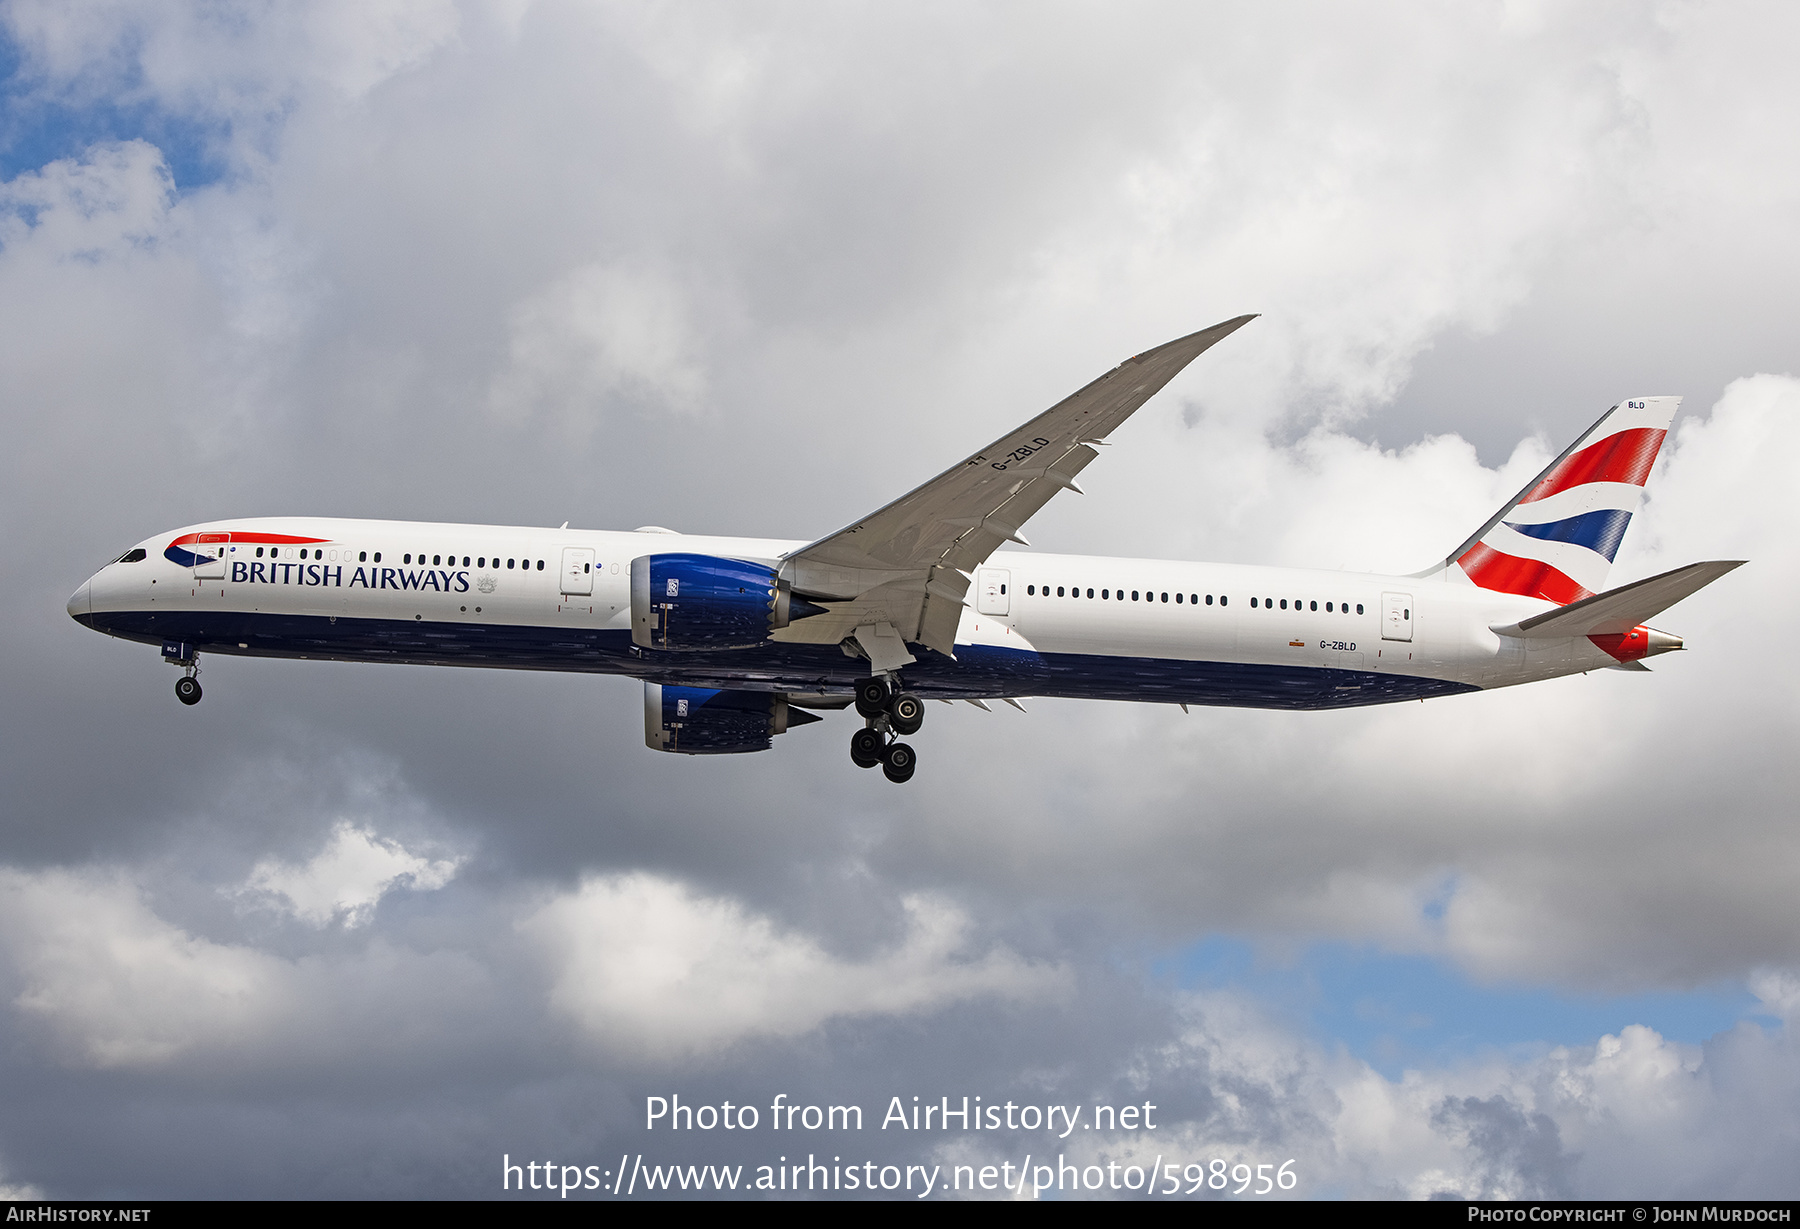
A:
x: 702, y: 603
x: 702, y: 721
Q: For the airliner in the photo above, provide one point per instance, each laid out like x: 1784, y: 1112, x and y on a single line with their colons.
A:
x: 737, y: 640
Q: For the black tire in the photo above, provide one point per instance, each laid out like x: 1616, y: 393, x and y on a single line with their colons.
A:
x: 872, y: 697
x: 907, y: 712
x: 898, y: 762
x: 866, y: 747
x: 187, y: 690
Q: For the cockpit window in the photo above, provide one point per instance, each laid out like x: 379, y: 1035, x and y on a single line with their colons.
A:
x: 135, y: 555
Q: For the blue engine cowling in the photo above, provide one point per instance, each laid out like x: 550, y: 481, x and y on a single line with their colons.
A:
x: 702, y: 721
x: 700, y: 603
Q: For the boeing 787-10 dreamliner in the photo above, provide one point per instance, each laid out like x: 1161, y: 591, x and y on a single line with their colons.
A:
x: 738, y: 639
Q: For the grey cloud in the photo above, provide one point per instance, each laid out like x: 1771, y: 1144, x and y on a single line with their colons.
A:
x: 844, y: 249
x: 1519, y: 1156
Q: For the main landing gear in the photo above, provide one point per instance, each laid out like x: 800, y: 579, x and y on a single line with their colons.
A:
x: 888, y: 714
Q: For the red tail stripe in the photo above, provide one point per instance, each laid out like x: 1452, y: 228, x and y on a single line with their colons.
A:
x: 1625, y: 646
x: 1503, y: 573
x: 1625, y: 456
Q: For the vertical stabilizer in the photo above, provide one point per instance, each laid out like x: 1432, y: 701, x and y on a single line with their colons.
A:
x: 1556, y: 538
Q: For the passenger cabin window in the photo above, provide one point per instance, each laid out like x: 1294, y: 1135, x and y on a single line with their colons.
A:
x: 408, y: 558
x: 377, y: 556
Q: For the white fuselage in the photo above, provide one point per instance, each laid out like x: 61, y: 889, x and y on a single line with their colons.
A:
x: 1035, y: 623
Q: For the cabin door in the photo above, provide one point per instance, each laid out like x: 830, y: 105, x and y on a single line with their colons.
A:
x: 991, y: 597
x: 1396, y: 616
x: 209, y: 555
x: 578, y: 570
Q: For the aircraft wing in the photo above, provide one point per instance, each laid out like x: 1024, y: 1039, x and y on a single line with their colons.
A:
x: 906, y: 564
x: 1619, y: 610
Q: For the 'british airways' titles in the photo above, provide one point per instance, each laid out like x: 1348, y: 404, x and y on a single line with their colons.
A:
x: 323, y: 575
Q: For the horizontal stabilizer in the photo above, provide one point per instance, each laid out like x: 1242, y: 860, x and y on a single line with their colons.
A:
x: 1619, y: 610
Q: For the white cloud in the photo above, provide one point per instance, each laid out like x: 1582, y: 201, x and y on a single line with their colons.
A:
x: 1632, y: 1115
x: 120, y: 987
x: 115, y: 197
x: 643, y: 963
x: 347, y: 879
x: 440, y: 232
x: 596, y: 334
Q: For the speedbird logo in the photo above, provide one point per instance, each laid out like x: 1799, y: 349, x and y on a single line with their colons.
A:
x: 193, y: 549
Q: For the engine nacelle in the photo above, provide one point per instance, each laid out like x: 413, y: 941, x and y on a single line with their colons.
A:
x: 703, y: 603
x: 702, y: 721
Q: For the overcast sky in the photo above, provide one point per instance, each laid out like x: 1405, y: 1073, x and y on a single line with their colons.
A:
x: 757, y: 268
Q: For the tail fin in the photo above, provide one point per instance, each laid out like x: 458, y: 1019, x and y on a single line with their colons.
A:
x: 1556, y: 538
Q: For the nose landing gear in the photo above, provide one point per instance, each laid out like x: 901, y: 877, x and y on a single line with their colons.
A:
x: 187, y: 687
x: 888, y: 714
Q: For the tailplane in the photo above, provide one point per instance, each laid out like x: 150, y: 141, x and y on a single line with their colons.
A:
x: 1556, y: 538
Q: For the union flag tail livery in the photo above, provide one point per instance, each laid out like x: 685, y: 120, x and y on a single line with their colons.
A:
x: 737, y: 640
x: 1557, y: 538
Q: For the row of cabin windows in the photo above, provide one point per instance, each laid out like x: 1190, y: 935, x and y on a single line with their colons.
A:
x: 1106, y: 595
x: 1192, y: 599
x: 306, y: 553
x: 1268, y: 603
x: 481, y: 561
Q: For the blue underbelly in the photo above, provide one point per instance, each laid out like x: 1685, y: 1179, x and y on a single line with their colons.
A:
x: 979, y: 672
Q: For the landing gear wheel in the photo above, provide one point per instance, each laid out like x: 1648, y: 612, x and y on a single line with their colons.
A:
x: 866, y: 748
x: 187, y: 689
x: 907, y: 712
x: 898, y: 762
x: 872, y: 697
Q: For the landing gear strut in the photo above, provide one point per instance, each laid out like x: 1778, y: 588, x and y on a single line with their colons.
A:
x: 888, y: 714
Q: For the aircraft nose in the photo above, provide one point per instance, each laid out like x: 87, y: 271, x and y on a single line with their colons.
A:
x: 82, y: 603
